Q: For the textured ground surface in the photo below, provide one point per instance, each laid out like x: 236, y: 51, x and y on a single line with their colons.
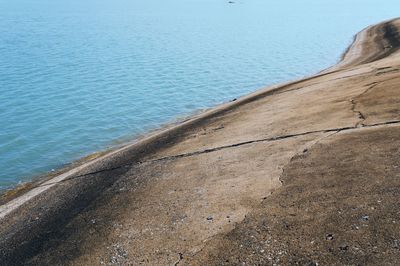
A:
x: 306, y: 173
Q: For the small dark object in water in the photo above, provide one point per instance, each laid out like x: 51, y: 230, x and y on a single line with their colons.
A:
x: 231, y: 2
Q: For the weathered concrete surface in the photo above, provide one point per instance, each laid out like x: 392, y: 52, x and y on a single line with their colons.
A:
x: 303, y: 173
x: 338, y: 205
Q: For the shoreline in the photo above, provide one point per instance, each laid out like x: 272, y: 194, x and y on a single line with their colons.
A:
x: 351, y: 56
x: 9, y: 193
x: 75, y: 194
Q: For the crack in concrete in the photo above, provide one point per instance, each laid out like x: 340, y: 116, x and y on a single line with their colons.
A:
x: 305, y: 150
x: 361, y: 116
x: 195, y: 153
x: 388, y: 70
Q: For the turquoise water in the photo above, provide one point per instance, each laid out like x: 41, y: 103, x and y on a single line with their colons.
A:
x: 78, y: 76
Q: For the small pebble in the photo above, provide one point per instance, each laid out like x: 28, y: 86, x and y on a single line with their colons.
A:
x: 396, y: 244
x: 365, y: 218
x: 355, y: 227
x: 329, y: 237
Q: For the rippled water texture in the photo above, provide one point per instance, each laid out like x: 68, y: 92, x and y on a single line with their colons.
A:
x: 76, y: 76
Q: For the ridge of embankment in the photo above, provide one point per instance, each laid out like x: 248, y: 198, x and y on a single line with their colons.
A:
x: 196, y: 192
x: 371, y: 44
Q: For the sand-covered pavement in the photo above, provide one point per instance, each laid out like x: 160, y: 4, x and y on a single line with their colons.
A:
x: 307, y: 172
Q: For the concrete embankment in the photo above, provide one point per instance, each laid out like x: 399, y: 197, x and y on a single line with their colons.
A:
x: 306, y: 172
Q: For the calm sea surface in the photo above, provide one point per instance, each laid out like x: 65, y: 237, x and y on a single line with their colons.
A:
x: 78, y: 76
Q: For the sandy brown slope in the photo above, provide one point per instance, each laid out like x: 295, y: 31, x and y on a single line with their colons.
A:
x: 338, y: 205
x: 304, y: 173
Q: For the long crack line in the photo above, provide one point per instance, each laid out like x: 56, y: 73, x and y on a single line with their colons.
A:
x: 183, y: 155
